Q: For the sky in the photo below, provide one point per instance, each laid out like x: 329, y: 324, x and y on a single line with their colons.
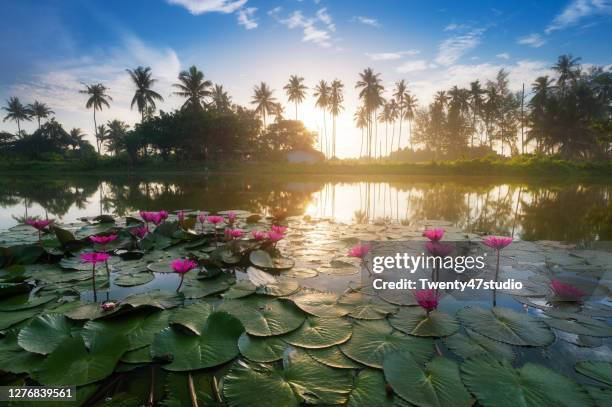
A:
x: 50, y: 48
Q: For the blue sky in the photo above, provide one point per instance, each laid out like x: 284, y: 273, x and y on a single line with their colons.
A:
x: 50, y: 48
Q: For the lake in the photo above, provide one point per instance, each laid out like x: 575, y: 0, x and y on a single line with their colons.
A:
x: 574, y: 212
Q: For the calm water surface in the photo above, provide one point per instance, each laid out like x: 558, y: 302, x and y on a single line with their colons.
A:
x: 530, y: 211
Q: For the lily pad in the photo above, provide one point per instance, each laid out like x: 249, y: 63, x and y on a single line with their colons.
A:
x: 129, y: 280
x: 497, y: 383
x: 24, y: 301
x: 8, y: 319
x: 318, y: 332
x: 156, y: 298
x: 578, y: 324
x: 179, y: 394
x: 506, y: 325
x: 333, y: 357
x: 216, y: 345
x: 192, y: 316
x: 263, y: 260
x: 265, y: 316
x: 472, y: 344
x: 321, y: 304
x: 204, y: 287
x: 140, y: 355
x: 369, y: 391
x: 373, y: 340
x: 279, y: 289
x: 597, y: 370
x: 416, y: 321
x: 241, y: 289
x: 261, y: 349
x: 44, y: 333
x: 438, y: 384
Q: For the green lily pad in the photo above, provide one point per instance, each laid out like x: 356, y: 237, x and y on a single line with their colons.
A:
x: 13, y: 359
x: 8, y: 319
x: 179, y: 395
x: 473, y: 344
x: 129, y: 280
x: 204, y: 287
x: 506, y: 325
x: 333, y: 357
x: 321, y: 304
x: 241, y: 289
x: 578, y: 324
x: 263, y: 260
x: 438, y: 384
x: 416, y: 321
x: 601, y: 397
x: 265, y: 316
x: 279, y: 289
x: 24, y: 301
x: 217, y: 344
x: 162, y: 266
x: 597, y: 370
x: 372, y: 340
x: 44, y: 333
x: 261, y: 349
x: 497, y: 383
x: 369, y: 391
x: 140, y: 355
x: 318, y: 332
x: 192, y: 316
x: 156, y: 298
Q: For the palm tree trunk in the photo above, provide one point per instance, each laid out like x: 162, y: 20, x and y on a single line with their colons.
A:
x: 333, y: 135
x: 410, y: 129
x: 392, y: 136
x: 18, y: 128
x: 399, y: 137
x: 296, y: 110
x: 386, y: 137
x: 38, y: 119
x: 96, y: 131
x: 361, y: 145
x: 325, y: 132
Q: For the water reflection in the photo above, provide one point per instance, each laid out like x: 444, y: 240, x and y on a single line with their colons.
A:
x: 571, y: 212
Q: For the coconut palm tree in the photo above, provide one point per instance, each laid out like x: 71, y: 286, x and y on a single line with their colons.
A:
x: 264, y: 102
x: 568, y: 69
x: 102, y: 134
x: 386, y: 116
x: 16, y: 112
x: 115, y: 135
x: 296, y: 91
x: 98, y: 98
x: 361, y: 121
x: 410, y: 107
x: 322, y: 93
x: 477, y: 100
x: 335, y: 107
x: 144, y: 97
x: 193, y: 87
x: 370, y: 93
x: 394, y: 111
x: 221, y: 101
x: 400, y: 93
x: 76, y: 137
x: 39, y: 110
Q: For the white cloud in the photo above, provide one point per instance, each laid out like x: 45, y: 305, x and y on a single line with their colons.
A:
x: 367, y: 21
x: 198, y: 7
x: 533, y: 40
x: 245, y: 17
x: 455, y: 27
x: 578, y: 10
x: 274, y: 11
x: 391, y: 56
x: 503, y: 55
x: 310, y: 30
x: 412, y: 66
x: 453, y: 48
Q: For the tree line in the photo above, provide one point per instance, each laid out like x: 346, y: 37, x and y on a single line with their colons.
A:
x: 569, y: 115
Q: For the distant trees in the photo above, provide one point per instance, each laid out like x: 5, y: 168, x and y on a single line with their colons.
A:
x: 193, y: 87
x: 16, y: 112
x: 98, y: 98
x: 144, y: 97
x: 296, y: 91
x: 265, y: 103
x: 39, y: 110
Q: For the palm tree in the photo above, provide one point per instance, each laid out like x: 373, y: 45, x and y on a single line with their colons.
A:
x: 335, y: 107
x: 76, y: 137
x: 220, y: 99
x: 194, y: 87
x: 97, y: 99
x: 400, y: 93
x: 410, y: 106
x: 16, y: 112
x: 476, y: 92
x: 296, y: 91
x: 144, y: 97
x: 322, y: 93
x: 370, y: 92
x: 361, y: 121
x: 115, y: 135
x: 568, y: 69
x: 264, y: 102
x: 386, y: 117
x: 102, y: 134
x: 394, y: 111
x: 39, y: 110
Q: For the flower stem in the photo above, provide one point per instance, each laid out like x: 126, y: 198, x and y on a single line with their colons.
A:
x: 180, y: 284
x: 497, y: 267
x: 93, y: 275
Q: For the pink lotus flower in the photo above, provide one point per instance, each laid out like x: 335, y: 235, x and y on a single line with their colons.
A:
x: 435, y: 235
x: 140, y: 231
x: 159, y: 217
x: 181, y: 267
x: 38, y: 224
x: 274, y: 237
x: 359, y: 251
x: 439, y: 249
x: 146, y: 216
x: 427, y: 299
x: 109, y: 306
x: 231, y: 216
x: 497, y: 242
x: 566, y: 291
x: 234, y: 233
x: 258, y: 235
x: 202, y: 217
x: 94, y: 257
x: 103, y: 240
x: 214, y: 219
x: 279, y: 229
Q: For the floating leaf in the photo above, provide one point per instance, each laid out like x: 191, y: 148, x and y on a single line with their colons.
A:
x: 24, y: 301
x: 263, y: 260
x: 261, y: 349
x: 140, y: 355
x: 372, y: 340
x: 129, y: 280
x: 416, y: 321
x: 241, y: 289
x: 320, y: 333
x: 8, y: 319
x: 321, y: 304
x: 497, y: 383
x: 204, y: 287
x: 254, y: 385
x: 333, y: 357
x: 265, y: 316
x: 179, y: 394
x: 506, y: 325
x: 369, y: 391
x: 44, y: 333
x: 473, y: 344
x: 217, y: 344
x: 598, y: 370
x: 279, y: 289
x: 602, y: 397
x: 156, y: 298
x: 192, y: 316
x: 437, y: 385
x: 578, y: 324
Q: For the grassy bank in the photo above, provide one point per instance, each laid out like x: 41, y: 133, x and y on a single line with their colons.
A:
x: 522, y: 167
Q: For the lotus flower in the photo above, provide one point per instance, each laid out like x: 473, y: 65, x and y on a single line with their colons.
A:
x: 359, y: 251
x: 38, y: 224
x: 279, y: 229
x: 202, y: 217
x: 181, y: 267
x: 214, y: 219
x: 436, y: 248
x: 497, y: 242
x: 258, y: 235
x: 231, y: 216
x: 109, y: 306
x: 94, y: 258
x: 159, y: 217
x: 103, y: 240
x: 435, y: 235
x: 274, y: 237
x: 140, y: 232
x: 146, y: 216
x: 566, y: 291
x: 427, y: 299
x: 234, y: 233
